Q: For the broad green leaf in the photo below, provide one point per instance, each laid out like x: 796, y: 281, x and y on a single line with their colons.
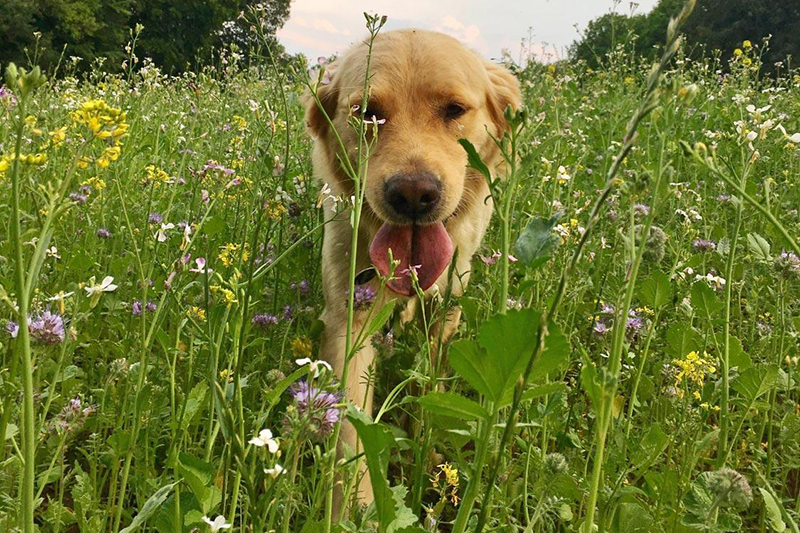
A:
x: 655, y: 291
x: 651, y: 446
x: 472, y: 363
x: 759, y: 247
x: 474, y: 159
x: 454, y: 405
x: 555, y: 355
x: 199, y: 475
x: 700, y: 504
x: 214, y: 225
x: 196, y: 400
x: 543, y: 390
x: 681, y: 339
x: 633, y: 518
x: 150, y: 506
x: 773, y: 512
x: 755, y: 382
x: 509, y: 341
x: 705, y: 300
x: 737, y: 356
x: 537, y: 242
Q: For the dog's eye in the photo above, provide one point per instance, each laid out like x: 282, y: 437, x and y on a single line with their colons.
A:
x: 454, y: 111
x: 372, y: 111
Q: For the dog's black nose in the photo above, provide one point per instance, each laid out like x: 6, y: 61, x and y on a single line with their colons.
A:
x: 413, y: 195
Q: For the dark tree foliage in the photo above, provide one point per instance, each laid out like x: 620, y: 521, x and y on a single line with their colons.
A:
x: 177, y: 33
x: 715, y: 25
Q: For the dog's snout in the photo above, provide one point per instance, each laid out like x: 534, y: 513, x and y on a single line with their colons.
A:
x: 413, y: 195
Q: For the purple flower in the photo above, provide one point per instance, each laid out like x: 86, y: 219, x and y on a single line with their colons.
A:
x: 303, y: 287
x: 635, y: 322
x: 316, y: 407
x: 155, y: 218
x: 72, y: 416
x: 77, y: 198
x: 600, y: 327
x: 364, y: 295
x: 264, y: 320
x: 787, y: 263
x: 12, y: 328
x: 47, y: 328
x: 723, y: 198
x: 150, y: 307
x: 103, y: 233
x: 641, y: 210
x: 703, y: 245
x: 287, y: 313
x: 136, y: 307
x: 607, y: 309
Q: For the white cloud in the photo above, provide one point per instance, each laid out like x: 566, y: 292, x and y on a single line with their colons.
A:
x: 467, y: 34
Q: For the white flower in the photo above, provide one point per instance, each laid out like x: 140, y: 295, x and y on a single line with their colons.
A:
x: 751, y: 136
x: 106, y: 285
x: 52, y: 252
x: 60, y: 296
x: 161, y: 235
x: 274, y: 472
x: 314, y: 365
x: 264, y: 438
x: 216, y: 524
x: 562, y: 176
x: 201, y: 266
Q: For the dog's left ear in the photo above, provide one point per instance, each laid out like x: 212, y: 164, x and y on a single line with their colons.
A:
x: 503, y: 91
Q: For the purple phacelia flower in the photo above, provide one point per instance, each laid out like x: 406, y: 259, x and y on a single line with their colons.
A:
x: 78, y: 198
x: 47, y: 328
x: 703, y: 245
x: 287, y: 313
x: 600, y: 327
x: 155, y: 218
x: 103, y: 233
x: 316, y: 407
x: 12, y: 328
x: 641, y: 210
x: 363, y: 296
x: 264, y: 320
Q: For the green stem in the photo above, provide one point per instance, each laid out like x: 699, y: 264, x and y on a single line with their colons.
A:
x: 23, y: 344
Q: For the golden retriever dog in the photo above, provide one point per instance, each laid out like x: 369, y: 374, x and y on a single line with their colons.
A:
x: 422, y: 200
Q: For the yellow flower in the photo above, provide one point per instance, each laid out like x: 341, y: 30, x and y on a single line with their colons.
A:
x: 197, y: 313
x: 58, y: 136
x: 230, y: 253
x: 694, y: 368
x: 301, y: 347
x: 747, y: 44
x: 747, y: 61
x: 738, y: 52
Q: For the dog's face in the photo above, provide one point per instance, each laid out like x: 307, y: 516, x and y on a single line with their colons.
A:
x: 430, y: 91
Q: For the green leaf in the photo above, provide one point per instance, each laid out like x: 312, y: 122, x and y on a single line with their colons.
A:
x: 759, y: 247
x: 509, y: 340
x: 755, y: 382
x: 454, y: 405
x: 705, y: 300
x: 214, y: 225
x: 737, y: 356
x: 150, y: 506
x: 472, y: 363
x: 681, y: 339
x: 653, y: 443
x: 699, y: 502
x: 537, y: 242
x: 380, y: 319
x: 196, y: 400
x: 590, y: 381
x: 655, y: 291
x: 273, y: 395
x: 199, y: 475
x: 474, y: 159
x: 555, y: 355
x: 773, y: 511
x: 543, y: 390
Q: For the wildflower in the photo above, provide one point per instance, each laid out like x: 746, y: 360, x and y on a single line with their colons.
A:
x: 275, y: 471
x: 196, y: 313
x: 363, y: 296
x: 47, y: 328
x: 703, y: 245
x: 716, y: 282
x: 264, y: 439
x: 555, y: 463
x: 161, y: 234
x: 201, y: 266
x: 655, y: 246
x: 72, y: 416
x: 641, y: 210
x: 227, y: 294
x: 314, y: 366
x: 600, y: 326
x: 216, y: 524
x: 12, y: 328
x: 316, y: 408
x: 60, y: 300
x: 103, y: 233
x: 747, y: 44
x: 287, y: 313
x: 231, y: 251
x: 78, y: 198
x: 731, y: 488
x: 155, y: 218
x: 788, y: 264
x: 264, y: 320
x: 136, y: 307
x: 94, y: 291
x: 562, y: 177
x: 103, y: 121
x: 693, y: 369
x: 634, y: 322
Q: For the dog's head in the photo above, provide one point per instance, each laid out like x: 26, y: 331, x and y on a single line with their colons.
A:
x: 431, y: 91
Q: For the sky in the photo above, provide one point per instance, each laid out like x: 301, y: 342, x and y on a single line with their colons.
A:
x: 327, y: 27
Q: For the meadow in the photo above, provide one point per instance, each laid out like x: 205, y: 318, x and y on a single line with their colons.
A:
x: 627, y: 357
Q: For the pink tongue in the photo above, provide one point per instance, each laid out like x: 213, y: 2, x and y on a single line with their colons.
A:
x: 428, y: 248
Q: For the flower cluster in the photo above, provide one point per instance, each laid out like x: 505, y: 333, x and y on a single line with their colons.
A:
x: 314, y: 410
x: 692, y: 369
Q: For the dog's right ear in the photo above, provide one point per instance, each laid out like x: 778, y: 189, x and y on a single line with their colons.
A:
x: 328, y: 96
